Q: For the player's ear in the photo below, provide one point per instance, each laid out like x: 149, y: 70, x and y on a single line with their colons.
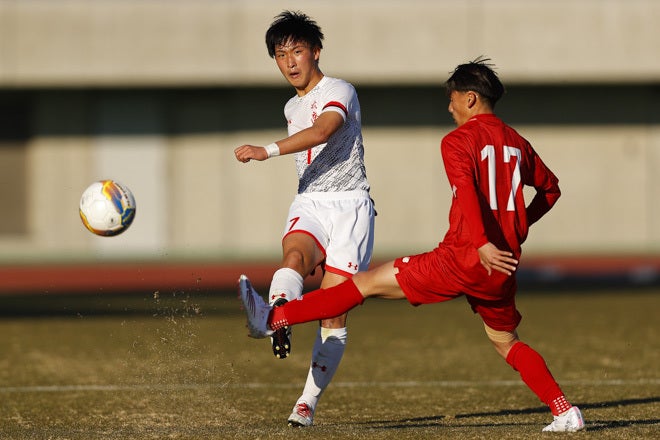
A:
x: 471, y: 99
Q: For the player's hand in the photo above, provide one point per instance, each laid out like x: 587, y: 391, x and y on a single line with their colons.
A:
x: 246, y: 153
x: 494, y: 259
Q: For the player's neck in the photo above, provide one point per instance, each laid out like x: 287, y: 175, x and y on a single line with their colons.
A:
x: 314, y: 80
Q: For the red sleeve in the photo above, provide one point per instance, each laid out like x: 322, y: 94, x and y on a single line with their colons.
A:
x: 547, y: 189
x: 461, y: 172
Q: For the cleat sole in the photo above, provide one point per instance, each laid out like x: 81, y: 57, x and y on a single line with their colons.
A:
x: 280, y: 338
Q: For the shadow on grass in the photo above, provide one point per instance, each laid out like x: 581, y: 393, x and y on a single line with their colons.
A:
x: 592, y: 425
x: 125, y: 304
x: 583, y: 406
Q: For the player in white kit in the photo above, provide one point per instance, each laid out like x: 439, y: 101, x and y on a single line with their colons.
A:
x: 331, y: 220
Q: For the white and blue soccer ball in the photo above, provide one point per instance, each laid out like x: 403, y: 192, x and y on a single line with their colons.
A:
x: 107, y: 208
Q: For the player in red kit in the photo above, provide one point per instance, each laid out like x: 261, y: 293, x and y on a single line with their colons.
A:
x: 487, y: 164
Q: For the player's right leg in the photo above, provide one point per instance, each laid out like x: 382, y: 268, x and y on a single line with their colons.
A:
x: 287, y: 284
x: 536, y: 375
x: 534, y: 372
x: 256, y: 309
x: 569, y: 421
x: 302, y: 251
x: 300, y: 255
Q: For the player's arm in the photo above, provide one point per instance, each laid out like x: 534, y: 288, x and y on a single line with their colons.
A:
x: 492, y: 258
x: 325, y: 126
x: 547, y: 190
x: 461, y: 174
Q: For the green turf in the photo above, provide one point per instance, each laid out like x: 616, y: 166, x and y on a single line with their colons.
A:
x: 182, y: 367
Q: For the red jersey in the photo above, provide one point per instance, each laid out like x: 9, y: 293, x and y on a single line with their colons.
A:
x: 487, y: 164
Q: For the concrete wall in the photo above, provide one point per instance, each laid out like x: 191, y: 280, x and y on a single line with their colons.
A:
x: 116, y: 42
x: 195, y: 201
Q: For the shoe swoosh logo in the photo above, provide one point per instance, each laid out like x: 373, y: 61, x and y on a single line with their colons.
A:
x: 250, y: 300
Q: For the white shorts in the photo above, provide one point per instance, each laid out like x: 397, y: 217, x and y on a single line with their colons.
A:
x: 341, y: 223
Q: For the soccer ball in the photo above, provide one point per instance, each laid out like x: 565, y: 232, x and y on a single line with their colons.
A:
x: 107, y: 208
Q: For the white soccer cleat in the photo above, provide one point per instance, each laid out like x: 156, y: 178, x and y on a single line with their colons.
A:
x: 569, y: 421
x: 302, y: 415
x: 256, y: 309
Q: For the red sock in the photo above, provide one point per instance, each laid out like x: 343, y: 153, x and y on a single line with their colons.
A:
x: 534, y: 372
x: 316, y: 305
x: 560, y: 405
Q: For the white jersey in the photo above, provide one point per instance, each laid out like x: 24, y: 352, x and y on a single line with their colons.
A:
x: 337, y: 165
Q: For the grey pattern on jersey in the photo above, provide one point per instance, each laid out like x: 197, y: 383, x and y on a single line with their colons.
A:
x: 337, y: 165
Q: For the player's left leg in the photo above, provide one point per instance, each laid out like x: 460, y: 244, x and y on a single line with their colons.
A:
x: 263, y: 319
x: 349, y: 222
x: 327, y: 353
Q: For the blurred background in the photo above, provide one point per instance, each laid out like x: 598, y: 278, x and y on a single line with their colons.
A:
x: 157, y: 94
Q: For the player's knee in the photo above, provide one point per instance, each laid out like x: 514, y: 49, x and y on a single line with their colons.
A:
x: 503, y: 340
x: 297, y: 260
x: 500, y: 336
x: 334, y: 323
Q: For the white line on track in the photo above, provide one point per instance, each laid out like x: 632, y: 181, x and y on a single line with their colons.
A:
x: 399, y: 384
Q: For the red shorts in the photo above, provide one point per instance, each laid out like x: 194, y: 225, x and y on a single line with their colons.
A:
x: 425, y: 280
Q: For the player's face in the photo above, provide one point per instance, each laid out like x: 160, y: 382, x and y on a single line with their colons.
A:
x: 299, y: 65
x: 459, y: 107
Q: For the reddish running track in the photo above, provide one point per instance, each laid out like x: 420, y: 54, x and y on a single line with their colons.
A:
x: 206, y: 277
x: 127, y: 277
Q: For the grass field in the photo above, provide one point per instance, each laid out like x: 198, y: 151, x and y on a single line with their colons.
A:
x: 181, y: 367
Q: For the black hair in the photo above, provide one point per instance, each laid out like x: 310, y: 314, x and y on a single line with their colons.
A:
x: 293, y: 26
x: 476, y: 76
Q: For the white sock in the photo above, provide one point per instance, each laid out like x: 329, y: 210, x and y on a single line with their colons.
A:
x: 287, y: 284
x: 326, y: 355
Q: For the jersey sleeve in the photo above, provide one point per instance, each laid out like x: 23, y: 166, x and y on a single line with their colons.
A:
x: 338, y: 98
x: 546, y: 185
x: 459, y: 166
